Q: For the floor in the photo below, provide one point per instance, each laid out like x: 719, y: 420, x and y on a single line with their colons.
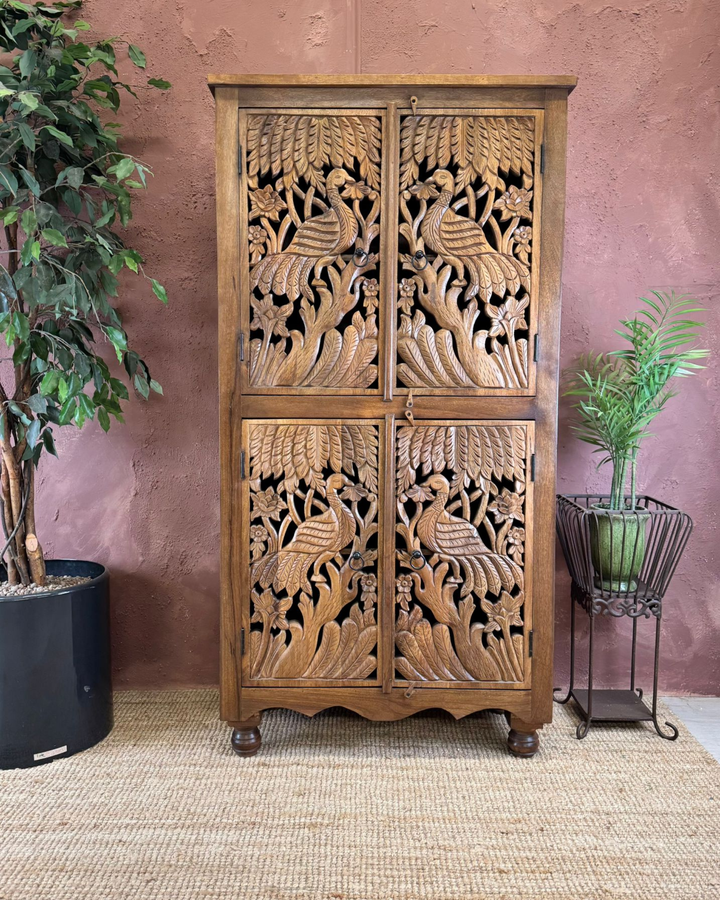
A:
x: 701, y: 717
x: 339, y: 808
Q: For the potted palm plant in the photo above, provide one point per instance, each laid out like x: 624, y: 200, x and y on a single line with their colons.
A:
x: 619, y: 394
x: 65, y: 186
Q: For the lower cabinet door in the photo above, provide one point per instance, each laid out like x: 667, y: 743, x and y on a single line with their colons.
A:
x: 310, y: 501
x: 463, y: 610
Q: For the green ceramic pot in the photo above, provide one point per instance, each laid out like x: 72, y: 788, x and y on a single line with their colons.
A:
x: 617, y: 547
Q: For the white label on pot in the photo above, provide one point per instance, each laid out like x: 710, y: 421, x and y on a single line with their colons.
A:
x: 48, y: 753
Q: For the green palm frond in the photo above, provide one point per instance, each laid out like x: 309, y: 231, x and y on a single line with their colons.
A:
x: 620, y: 393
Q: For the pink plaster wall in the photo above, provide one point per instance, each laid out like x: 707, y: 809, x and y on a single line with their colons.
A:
x: 643, y: 211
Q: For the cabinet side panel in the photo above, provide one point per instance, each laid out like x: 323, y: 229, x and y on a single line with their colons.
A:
x: 553, y: 223
x: 226, y: 136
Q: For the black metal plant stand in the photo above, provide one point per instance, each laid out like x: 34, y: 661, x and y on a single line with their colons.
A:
x: 654, y: 537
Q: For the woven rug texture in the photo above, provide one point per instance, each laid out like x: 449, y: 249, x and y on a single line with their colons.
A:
x: 339, y: 808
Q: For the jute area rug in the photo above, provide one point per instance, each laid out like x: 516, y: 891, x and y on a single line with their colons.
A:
x: 338, y: 808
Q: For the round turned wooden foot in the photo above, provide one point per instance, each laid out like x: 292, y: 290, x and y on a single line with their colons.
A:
x: 245, y: 740
x: 523, y: 743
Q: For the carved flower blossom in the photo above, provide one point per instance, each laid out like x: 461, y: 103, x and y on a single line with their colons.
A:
x: 356, y: 190
x: 266, y: 202
x: 516, y: 543
x: 424, y: 190
x: 407, y: 292
x: 267, y: 504
x: 514, y: 202
x: 257, y: 237
x: 507, y: 506
x: 523, y: 235
x: 419, y: 493
x: 504, y: 613
x: 404, y: 586
x: 268, y: 607
x: 370, y: 289
x: 269, y: 317
x: 354, y: 492
x: 506, y: 317
x: 368, y: 586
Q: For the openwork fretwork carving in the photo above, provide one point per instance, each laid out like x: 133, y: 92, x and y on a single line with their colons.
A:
x: 466, y: 211
x: 314, y: 225
x: 460, y: 552
x: 313, y: 496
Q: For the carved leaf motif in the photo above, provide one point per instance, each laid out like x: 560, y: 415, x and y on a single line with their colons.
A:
x: 474, y: 452
x: 300, y: 453
x: 301, y: 146
x: 488, y: 144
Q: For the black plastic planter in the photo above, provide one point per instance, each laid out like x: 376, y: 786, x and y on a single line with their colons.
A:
x: 55, y: 688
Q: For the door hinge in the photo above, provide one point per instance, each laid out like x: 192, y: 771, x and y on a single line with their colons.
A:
x: 240, y: 159
x: 242, y: 642
x: 536, y: 347
x: 242, y: 463
x: 532, y: 467
x: 542, y: 158
x: 530, y: 644
x: 241, y: 346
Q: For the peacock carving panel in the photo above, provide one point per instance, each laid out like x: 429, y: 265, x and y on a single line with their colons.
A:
x: 465, y: 280
x: 313, y: 498
x: 462, y: 515
x: 313, y: 212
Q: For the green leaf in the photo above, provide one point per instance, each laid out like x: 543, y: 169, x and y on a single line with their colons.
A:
x: 33, y: 432
x: 28, y: 221
x: 27, y: 135
x: 29, y: 100
x: 63, y: 389
x: 142, y: 386
x: 9, y: 215
x: 8, y: 180
x: 155, y: 386
x: 49, y: 383
x: 159, y: 83
x: 131, y: 263
x: 37, y: 403
x: 27, y: 62
x: 54, y: 237
x: 48, y: 441
x: 159, y: 290
x: 74, y: 175
x: 125, y: 167
x: 60, y: 135
x: 137, y: 56
x: 103, y: 419
x: 30, y: 181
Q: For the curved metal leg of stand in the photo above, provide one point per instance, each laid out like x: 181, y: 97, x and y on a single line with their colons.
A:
x: 673, y: 730
x: 584, y: 726
x: 572, y: 656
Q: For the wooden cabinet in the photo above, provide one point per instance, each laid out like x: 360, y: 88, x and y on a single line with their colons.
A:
x: 389, y: 303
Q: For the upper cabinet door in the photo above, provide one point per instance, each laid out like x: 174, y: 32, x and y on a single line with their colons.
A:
x: 468, y: 231
x: 310, y: 242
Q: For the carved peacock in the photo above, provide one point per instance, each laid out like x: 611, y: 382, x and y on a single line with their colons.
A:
x: 462, y: 242
x: 321, y: 238
x: 458, y: 542
x: 316, y: 541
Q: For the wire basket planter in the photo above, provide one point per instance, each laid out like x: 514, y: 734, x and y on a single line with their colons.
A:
x: 621, y: 563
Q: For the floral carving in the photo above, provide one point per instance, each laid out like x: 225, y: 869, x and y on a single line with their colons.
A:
x: 464, y: 251
x: 266, y: 202
x: 315, y: 488
x: 446, y: 615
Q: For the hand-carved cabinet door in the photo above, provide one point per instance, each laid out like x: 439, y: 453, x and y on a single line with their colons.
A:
x: 311, y: 551
x: 310, y: 227
x: 469, y: 205
x: 463, y: 547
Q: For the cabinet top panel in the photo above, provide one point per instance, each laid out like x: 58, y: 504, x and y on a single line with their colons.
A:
x: 499, y: 81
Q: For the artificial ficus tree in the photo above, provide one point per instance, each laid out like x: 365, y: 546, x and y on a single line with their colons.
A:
x: 65, y: 187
